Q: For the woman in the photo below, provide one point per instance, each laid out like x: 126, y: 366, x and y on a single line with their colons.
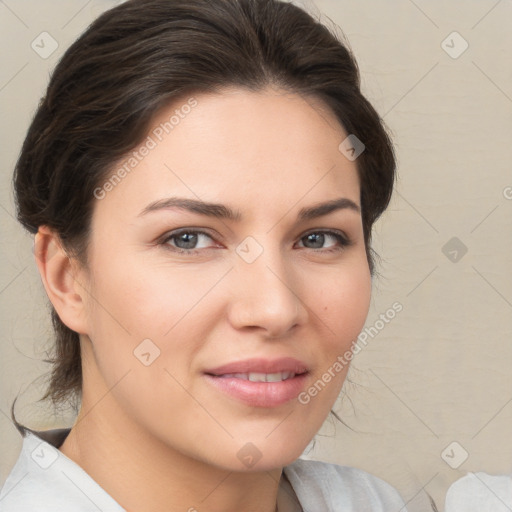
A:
x: 202, y: 178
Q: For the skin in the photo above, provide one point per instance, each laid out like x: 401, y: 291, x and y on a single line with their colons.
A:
x: 159, y: 437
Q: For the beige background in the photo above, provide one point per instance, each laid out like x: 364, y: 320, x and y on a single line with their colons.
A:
x: 439, y: 372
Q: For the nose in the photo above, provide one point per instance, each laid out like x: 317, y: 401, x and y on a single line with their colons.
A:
x: 266, y: 296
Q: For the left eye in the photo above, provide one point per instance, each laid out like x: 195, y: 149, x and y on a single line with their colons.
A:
x: 317, y: 238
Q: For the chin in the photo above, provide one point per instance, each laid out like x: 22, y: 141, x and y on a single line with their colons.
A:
x: 268, y: 453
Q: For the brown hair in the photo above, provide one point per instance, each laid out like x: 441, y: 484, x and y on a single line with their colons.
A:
x: 140, y: 56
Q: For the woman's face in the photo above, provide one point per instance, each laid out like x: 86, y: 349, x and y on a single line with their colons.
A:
x: 188, y: 308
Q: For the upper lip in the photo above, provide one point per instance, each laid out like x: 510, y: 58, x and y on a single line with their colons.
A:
x: 260, y: 365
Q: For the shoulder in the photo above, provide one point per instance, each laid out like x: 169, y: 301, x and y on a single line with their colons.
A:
x: 480, y: 492
x: 44, y: 479
x: 21, y: 489
x: 332, y: 484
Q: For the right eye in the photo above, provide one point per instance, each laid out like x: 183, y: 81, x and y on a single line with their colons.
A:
x: 185, y: 241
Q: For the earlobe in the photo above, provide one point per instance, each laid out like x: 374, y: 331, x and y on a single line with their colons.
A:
x: 61, y: 279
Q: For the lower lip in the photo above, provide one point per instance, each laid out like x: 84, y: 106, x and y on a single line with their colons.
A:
x: 260, y: 394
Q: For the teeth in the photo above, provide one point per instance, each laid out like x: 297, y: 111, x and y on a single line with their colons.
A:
x: 275, y: 377
x: 262, y: 377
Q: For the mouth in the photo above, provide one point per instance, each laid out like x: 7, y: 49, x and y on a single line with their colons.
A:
x: 259, y: 382
x: 259, y: 377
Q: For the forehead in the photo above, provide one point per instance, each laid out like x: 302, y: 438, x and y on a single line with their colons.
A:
x: 270, y: 148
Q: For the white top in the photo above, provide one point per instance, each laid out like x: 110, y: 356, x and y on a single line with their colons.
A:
x: 45, y: 480
x: 480, y: 492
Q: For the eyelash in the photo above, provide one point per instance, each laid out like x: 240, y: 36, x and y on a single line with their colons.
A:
x: 343, y: 241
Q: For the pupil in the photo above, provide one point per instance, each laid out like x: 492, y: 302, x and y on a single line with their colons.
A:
x: 188, y: 238
x: 316, y: 238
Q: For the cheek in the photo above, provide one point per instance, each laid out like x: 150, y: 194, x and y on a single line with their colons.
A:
x: 150, y: 313
x: 148, y: 300
x: 345, y: 300
x: 343, y: 304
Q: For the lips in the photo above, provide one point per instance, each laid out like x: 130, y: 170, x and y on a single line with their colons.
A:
x: 267, y: 366
x: 260, y: 382
x: 260, y: 377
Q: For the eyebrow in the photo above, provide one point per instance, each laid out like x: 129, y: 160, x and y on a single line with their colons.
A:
x: 221, y: 211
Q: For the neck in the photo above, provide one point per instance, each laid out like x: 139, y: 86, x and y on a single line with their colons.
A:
x: 141, y: 473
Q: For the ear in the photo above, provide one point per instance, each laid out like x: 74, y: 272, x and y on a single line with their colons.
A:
x: 62, y: 279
